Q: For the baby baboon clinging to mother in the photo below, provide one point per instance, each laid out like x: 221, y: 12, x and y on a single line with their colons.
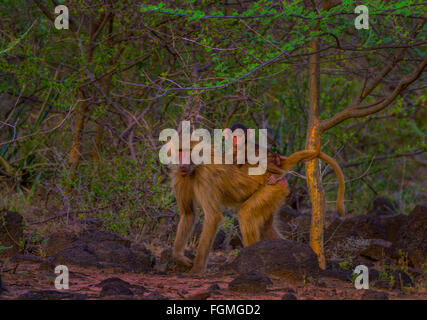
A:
x: 215, y: 186
x: 273, y: 159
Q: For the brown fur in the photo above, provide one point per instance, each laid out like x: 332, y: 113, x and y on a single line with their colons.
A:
x: 215, y: 186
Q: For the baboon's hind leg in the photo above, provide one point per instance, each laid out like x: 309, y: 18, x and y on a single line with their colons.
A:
x: 256, y: 214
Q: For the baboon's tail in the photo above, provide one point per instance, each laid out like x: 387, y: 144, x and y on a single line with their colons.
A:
x: 294, y: 158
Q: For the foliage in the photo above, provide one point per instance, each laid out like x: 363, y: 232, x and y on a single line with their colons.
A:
x: 155, y: 63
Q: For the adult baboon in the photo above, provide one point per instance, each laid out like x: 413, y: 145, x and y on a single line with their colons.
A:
x: 214, y: 186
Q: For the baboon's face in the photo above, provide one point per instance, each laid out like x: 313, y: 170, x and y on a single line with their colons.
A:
x: 185, y: 169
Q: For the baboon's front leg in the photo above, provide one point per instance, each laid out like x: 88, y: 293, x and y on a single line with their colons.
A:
x: 185, y: 227
x: 210, y: 225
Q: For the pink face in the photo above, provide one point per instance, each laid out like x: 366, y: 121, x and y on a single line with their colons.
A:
x: 185, y: 169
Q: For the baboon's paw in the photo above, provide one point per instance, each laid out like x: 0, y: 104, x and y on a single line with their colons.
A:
x: 196, y: 270
x: 183, y: 260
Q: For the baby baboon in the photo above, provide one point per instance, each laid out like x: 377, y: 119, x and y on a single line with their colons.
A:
x: 273, y: 159
x: 214, y: 186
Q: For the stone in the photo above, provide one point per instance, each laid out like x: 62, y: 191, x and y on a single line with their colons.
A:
x: 412, y: 241
x: 280, y: 257
x: 289, y: 296
x: 376, y: 250
x: 252, y: 282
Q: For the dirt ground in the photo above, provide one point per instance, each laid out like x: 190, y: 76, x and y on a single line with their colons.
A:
x: 28, y: 276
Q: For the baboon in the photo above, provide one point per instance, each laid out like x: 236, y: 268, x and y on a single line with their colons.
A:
x: 215, y: 186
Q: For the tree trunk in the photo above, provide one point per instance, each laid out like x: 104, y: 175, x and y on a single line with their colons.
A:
x: 315, y: 188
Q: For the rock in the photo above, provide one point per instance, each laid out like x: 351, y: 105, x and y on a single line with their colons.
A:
x: 200, y: 295
x: 99, y: 236
x: 289, y: 296
x: 27, y: 258
x: 113, y: 252
x: 412, y: 240
x: 115, y: 287
x: 374, y: 295
x: 144, y: 258
x: 58, y: 241
x: 11, y: 232
x: 214, y: 287
x: 363, y: 227
x: 154, y: 296
x: 383, y: 206
x: 103, y: 248
x: 334, y: 270
x: 51, y: 295
x: 376, y: 249
x: 252, y: 282
x: 297, y: 229
x: 117, y: 254
x: 277, y: 256
x: 77, y: 254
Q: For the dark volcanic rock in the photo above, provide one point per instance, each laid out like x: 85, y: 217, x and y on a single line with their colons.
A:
x: 27, y: 258
x: 98, y: 236
x: 376, y: 250
x: 253, y: 282
x: 51, y: 295
x: 58, y: 241
x: 115, y: 287
x: 289, y: 296
x: 297, y: 229
x: 77, y: 254
x: 277, y: 256
x: 374, y: 295
x: 214, y: 287
x: 364, y: 227
x: 203, y: 295
x: 144, y: 258
x: 114, y: 253
x: 154, y: 296
x: 103, y: 248
x: 412, y: 240
x: 11, y: 232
